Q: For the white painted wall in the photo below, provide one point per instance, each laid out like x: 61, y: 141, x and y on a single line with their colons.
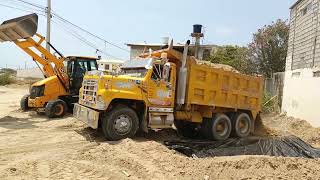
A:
x: 301, y: 97
x: 29, y: 73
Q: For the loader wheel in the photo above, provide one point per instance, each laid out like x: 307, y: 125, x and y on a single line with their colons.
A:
x: 56, y: 109
x: 24, y: 103
x: 218, y: 128
x: 186, y: 129
x: 242, y: 125
x: 120, y: 123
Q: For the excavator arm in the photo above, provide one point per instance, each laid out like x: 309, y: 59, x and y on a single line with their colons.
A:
x: 22, y: 31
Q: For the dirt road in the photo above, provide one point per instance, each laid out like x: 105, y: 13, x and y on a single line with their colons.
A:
x: 34, y: 147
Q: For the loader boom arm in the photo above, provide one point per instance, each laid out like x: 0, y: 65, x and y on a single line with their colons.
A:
x: 23, y: 32
x: 52, y: 66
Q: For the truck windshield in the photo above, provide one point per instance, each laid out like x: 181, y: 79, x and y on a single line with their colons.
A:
x: 141, y: 72
x: 135, y: 67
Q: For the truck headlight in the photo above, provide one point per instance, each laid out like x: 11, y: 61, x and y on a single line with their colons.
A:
x: 100, y: 99
x: 101, y: 104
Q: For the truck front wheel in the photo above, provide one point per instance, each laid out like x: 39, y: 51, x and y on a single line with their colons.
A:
x: 120, y: 123
x: 218, y: 128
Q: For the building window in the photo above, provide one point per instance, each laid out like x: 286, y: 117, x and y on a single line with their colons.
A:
x: 296, y: 74
x: 303, y: 56
x: 306, y: 9
x: 107, y: 67
x: 316, y: 74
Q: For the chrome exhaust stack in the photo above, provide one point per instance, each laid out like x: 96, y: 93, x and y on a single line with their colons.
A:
x: 182, y: 79
x: 19, y: 28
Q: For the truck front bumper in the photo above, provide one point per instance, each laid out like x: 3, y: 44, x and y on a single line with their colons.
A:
x: 86, y: 115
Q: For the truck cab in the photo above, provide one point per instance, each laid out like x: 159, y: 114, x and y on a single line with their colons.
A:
x: 141, y: 95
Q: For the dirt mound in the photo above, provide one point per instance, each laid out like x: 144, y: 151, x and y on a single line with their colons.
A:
x: 34, y: 147
x: 281, y: 125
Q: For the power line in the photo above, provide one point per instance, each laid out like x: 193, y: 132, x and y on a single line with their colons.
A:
x: 68, y: 22
x: 25, y: 6
x: 7, y: 6
x: 31, y: 4
x: 86, y: 31
x: 41, y: 9
x: 83, y: 40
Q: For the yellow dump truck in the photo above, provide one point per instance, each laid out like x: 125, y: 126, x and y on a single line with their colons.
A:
x: 166, y: 88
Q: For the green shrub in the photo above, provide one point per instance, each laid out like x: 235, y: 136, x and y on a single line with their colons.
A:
x: 8, y: 70
x: 5, y: 79
x: 269, y: 103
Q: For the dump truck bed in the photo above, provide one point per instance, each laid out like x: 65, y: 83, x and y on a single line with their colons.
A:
x: 218, y: 87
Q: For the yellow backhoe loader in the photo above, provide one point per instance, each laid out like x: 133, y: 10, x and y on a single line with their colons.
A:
x: 57, y: 93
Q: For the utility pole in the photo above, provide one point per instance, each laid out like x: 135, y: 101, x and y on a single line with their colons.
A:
x: 48, y: 24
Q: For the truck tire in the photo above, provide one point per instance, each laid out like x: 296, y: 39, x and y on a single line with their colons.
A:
x: 185, y: 128
x: 218, y: 128
x: 120, y: 123
x: 241, y: 125
x: 56, y: 108
x: 24, y: 103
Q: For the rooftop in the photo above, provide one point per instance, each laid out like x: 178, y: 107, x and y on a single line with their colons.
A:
x: 111, y: 61
x: 174, y: 45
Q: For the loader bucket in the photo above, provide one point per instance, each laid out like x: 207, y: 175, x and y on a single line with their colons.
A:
x: 19, y: 28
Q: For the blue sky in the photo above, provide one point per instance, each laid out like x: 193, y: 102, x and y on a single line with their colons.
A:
x: 126, y: 21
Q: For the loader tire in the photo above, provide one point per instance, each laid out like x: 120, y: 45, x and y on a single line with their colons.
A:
x: 186, y: 129
x: 56, y: 108
x: 241, y: 125
x: 120, y: 123
x: 218, y: 128
x: 24, y: 103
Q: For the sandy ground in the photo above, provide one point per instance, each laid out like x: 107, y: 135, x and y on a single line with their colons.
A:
x: 34, y: 147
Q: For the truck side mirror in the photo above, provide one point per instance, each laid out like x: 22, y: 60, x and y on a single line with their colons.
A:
x: 166, y: 72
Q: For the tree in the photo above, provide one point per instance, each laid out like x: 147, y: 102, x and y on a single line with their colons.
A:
x: 234, y: 56
x: 268, y: 50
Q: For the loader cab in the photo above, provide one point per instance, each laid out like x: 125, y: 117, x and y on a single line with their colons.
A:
x: 76, y: 68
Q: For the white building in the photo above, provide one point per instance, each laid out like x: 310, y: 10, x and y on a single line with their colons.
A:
x: 301, y: 97
x: 137, y: 49
x: 110, y: 65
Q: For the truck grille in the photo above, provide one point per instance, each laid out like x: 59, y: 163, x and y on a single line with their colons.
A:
x: 89, y: 96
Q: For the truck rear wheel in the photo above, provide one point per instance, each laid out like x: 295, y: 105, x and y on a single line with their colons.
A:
x: 185, y: 128
x: 120, y: 123
x: 218, y: 128
x: 24, y: 103
x: 56, y: 108
x: 242, y: 125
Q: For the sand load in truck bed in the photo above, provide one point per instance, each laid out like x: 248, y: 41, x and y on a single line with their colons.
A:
x: 218, y: 66
x: 19, y: 28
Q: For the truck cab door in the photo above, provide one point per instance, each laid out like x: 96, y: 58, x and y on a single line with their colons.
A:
x: 161, y: 96
x: 160, y: 89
